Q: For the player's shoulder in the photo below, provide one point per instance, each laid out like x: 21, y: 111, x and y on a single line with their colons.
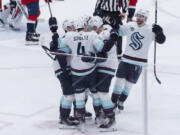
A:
x: 105, y: 34
x: 70, y: 35
x: 148, y: 28
x: 131, y: 25
x: 91, y: 34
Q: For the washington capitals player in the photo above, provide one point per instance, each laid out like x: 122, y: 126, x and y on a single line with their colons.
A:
x: 131, y: 10
x: 32, y: 37
x: 105, y: 72
x: 139, y: 38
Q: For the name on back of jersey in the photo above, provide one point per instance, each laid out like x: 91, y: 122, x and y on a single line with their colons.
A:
x: 85, y: 37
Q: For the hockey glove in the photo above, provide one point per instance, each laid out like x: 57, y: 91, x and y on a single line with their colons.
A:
x: 53, y: 24
x: 108, y: 44
x: 54, y: 42
x: 55, y: 37
x: 160, y: 37
x: 101, y: 57
x: 114, y: 34
x: 89, y: 57
x: 53, y: 47
x: 157, y: 29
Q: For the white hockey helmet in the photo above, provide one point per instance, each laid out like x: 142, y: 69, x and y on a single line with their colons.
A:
x: 67, y: 23
x: 79, y: 24
x: 95, y: 21
x: 142, y: 12
x: 86, y: 18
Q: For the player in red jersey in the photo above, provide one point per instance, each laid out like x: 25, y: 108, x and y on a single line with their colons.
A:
x: 32, y: 38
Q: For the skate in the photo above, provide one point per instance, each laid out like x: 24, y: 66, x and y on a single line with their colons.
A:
x: 99, y: 118
x: 88, y: 115
x: 120, y: 105
x: 108, y: 123
x: 81, y: 126
x: 37, y: 35
x: 31, y: 39
x: 81, y: 119
x: 68, y: 123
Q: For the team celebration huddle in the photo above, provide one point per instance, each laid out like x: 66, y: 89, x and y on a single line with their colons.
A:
x: 89, y: 56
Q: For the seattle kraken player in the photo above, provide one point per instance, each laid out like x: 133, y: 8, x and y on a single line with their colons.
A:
x: 62, y: 70
x: 139, y: 38
x: 105, y: 73
x: 83, y: 47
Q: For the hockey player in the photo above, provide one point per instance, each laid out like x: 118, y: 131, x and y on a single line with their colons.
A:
x: 131, y: 10
x: 113, y: 12
x: 68, y: 26
x: 105, y: 72
x: 32, y: 37
x: 11, y: 15
x: 84, y: 45
x: 139, y: 38
x: 85, y: 19
x: 83, y: 74
x: 62, y: 71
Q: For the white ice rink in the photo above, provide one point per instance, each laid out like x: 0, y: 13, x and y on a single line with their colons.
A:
x: 30, y: 93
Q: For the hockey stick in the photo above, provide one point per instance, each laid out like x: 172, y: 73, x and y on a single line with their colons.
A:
x: 157, y: 79
x: 74, y: 55
x: 22, y: 8
x: 46, y: 49
x: 49, y: 8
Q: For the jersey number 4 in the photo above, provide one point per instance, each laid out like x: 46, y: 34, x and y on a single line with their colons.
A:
x: 80, y: 49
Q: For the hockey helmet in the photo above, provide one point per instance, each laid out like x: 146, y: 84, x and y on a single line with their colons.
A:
x: 95, y: 21
x: 79, y: 24
x: 142, y: 12
x: 67, y: 23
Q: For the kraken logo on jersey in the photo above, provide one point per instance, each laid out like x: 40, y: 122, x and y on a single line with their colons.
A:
x: 136, y: 41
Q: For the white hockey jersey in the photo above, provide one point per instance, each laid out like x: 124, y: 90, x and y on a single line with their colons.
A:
x: 78, y: 44
x: 110, y: 65
x: 138, y: 42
